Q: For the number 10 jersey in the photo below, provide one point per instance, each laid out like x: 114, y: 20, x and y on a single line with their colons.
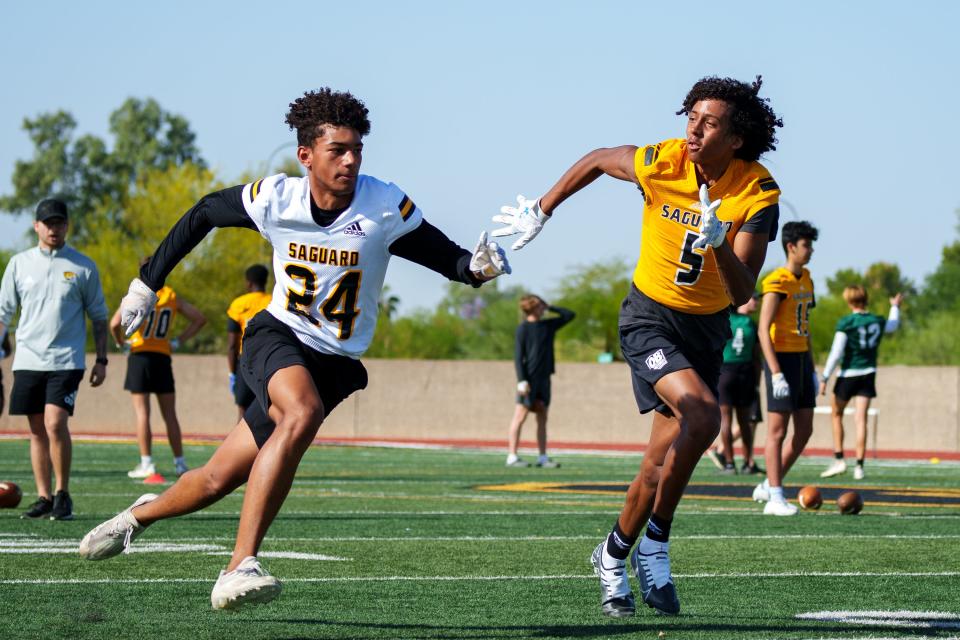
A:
x: 329, y: 279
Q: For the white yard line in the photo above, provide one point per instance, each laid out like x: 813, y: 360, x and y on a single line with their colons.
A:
x: 679, y: 576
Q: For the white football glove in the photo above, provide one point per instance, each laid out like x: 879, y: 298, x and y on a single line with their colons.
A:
x: 136, y: 305
x: 523, y: 387
x: 526, y: 218
x: 488, y: 259
x: 712, y: 230
x: 781, y: 388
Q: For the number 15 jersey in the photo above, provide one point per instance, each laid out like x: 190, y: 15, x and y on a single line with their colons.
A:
x: 669, y: 269
x: 328, y: 279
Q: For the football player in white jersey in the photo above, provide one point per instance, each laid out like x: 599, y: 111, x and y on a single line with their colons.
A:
x: 333, y: 233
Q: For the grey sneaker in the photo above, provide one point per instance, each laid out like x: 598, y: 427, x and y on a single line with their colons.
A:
x: 115, y: 535
x: 249, y: 583
x: 652, y: 567
x: 519, y: 463
x: 548, y: 464
x: 616, y: 599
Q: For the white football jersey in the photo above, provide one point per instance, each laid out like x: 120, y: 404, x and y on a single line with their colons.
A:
x: 328, y: 279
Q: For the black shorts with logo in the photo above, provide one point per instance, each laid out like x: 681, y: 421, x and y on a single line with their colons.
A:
x: 269, y: 346
x: 797, y: 368
x: 242, y: 393
x: 848, y: 387
x: 738, y: 384
x: 149, y: 372
x: 657, y: 340
x: 32, y: 390
x: 539, y: 390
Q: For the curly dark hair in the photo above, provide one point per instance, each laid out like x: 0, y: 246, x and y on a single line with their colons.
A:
x: 752, y: 119
x: 309, y: 113
x: 793, y: 232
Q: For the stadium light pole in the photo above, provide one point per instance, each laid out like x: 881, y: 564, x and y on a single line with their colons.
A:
x: 273, y: 154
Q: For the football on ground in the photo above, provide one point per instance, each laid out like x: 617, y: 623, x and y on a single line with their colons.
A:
x: 10, y: 495
x: 809, y: 498
x: 850, y: 503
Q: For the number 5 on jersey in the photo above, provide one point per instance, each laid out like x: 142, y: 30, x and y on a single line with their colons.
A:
x: 340, y: 307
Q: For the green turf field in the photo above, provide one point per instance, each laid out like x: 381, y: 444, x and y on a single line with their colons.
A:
x: 400, y: 543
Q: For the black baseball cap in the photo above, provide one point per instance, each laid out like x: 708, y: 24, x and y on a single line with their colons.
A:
x: 51, y: 208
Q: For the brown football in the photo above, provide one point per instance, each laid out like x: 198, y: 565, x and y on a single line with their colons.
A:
x: 809, y: 498
x: 10, y: 495
x: 850, y: 503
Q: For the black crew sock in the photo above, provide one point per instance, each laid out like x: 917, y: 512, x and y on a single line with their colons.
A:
x: 658, y: 528
x: 859, y: 462
x: 619, y: 543
x: 838, y: 455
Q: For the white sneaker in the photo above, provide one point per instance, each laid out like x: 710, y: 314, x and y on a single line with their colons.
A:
x: 761, y: 493
x: 180, y: 468
x: 779, y: 508
x: 835, y: 469
x: 616, y: 599
x: 518, y: 463
x: 142, y: 471
x: 651, y: 565
x: 115, y: 535
x: 858, y: 473
x: 249, y: 583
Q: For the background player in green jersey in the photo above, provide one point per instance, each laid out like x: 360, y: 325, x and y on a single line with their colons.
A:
x: 855, y: 346
x: 739, y: 380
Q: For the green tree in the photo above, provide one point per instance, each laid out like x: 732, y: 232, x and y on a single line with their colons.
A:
x: 85, y: 172
x: 594, y: 292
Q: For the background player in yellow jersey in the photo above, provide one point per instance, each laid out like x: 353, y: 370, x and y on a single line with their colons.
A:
x: 791, y: 380
x: 697, y: 257
x: 241, y: 311
x: 149, y: 370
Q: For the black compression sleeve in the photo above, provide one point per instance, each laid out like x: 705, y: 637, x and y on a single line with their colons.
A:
x: 218, y: 209
x: 429, y: 247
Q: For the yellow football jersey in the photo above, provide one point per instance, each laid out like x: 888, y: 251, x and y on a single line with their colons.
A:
x: 669, y: 270
x: 791, y: 325
x: 154, y: 334
x: 244, y: 307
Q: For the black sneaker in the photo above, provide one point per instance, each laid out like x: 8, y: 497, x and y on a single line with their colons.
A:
x: 62, y: 506
x: 38, y: 509
x: 751, y: 469
x: 729, y: 469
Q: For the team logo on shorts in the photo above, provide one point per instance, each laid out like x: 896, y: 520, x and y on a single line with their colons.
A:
x: 656, y: 360
x: 69, y: 400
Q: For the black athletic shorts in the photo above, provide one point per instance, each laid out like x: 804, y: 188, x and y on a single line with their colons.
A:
x: 738, y: 384
x: 149, y: 372
x: 657, y: 340
x: 797, y: 368
x: 32, y: 390
x: 242, y: 393
x: 865, y: 385
x: 269, y: 346
x: 539, y: 390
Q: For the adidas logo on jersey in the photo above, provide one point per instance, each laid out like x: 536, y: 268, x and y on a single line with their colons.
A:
x: 354, y: 230
x: 656, y: 360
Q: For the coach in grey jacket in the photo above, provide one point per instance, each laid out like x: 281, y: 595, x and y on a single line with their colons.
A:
x: 54, y: 285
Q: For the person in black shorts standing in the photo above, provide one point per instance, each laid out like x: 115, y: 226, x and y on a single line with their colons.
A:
x: 241, y: 311
x: 534, y: 362
x: 739, y: 377
x: 790, y: 378
x: 150, y: 370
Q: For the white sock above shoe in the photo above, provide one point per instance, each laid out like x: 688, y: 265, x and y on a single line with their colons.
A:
x: 146, y: 461
x: 179, y: 460
x: 512, y: 457
x: 543, y: 458
x: 776, y: 494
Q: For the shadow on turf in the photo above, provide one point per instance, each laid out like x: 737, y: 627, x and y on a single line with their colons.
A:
x: 672, y: 625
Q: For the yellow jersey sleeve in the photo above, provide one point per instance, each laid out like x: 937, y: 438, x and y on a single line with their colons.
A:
x: 791, y: 324
x: 669, y: 270
x: 154, y: 334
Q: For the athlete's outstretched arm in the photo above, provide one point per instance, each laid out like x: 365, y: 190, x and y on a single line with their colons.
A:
x: 429, y: 247
x: 616, y: 162
x: 218, y: 209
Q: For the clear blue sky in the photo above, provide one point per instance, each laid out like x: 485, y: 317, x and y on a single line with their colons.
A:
x: 473, y: 103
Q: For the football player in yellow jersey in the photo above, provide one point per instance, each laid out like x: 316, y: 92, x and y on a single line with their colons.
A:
x: 784, y: 334
x: 241, y: 311
x: 149, y: 371
x: 709, y: 211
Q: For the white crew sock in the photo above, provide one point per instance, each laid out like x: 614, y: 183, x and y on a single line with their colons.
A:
x: 146, y: 461
x: 512, y: 457
x: 776, y: 494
